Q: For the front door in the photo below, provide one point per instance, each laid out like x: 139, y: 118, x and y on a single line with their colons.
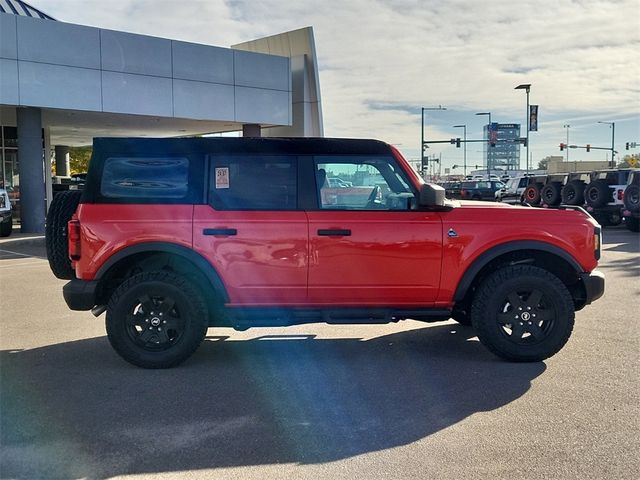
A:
x: 368, y: 243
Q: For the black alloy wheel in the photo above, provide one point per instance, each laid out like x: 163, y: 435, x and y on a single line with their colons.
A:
x: 156, y: 319
x: 523, y: 313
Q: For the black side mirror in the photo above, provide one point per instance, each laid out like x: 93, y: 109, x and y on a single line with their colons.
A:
x: 432, y: 196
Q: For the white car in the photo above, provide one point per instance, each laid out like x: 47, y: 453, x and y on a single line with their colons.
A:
x: 6, y: 217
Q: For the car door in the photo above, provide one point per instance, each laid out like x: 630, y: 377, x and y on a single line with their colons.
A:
x: 369, y: 245
x: 252, y: 231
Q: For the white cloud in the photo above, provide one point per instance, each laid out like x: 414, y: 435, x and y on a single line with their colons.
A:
x: 580, y: 56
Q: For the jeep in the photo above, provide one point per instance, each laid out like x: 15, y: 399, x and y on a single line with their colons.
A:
x: 631, y: 198
x: 604, y: 196
x: 173, y: 236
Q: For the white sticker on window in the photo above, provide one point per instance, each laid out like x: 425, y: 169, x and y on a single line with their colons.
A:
x: 222, y: 177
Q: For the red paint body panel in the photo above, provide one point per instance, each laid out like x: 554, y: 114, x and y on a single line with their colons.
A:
x: 105, y: 229
x: 265, y: 263
x: 483, y: 225
x: 390, y: 259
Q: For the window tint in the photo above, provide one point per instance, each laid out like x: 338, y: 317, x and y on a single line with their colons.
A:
x: 145, y: 177
x: 361, y: 183
x: 253, y: 182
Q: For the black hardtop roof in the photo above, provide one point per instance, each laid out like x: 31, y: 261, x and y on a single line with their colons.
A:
x: 239, y: 145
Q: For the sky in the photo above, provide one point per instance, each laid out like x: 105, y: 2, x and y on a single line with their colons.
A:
x: 380, y: 62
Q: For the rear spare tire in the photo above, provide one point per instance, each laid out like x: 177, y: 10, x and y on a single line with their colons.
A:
x: 532, y: 194
x: 597, y: 194
x: 632, y: 198
x: 62, y: 208
x: 573, y: 193
x: 550, y: 193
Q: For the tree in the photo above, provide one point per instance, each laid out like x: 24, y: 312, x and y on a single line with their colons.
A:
x: 79, y: 159
x: 543, y: 164
x: 632, y: 160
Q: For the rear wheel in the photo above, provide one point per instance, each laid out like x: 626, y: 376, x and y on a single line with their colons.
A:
x: 62, y: 207
x: 633, y: 224
x: 523, y: 313
x: 156, y: 319
x: 6, y: 228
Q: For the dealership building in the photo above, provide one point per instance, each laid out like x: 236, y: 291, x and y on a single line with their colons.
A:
x: 62, y: 84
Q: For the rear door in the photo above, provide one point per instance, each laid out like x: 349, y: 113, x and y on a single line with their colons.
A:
x: 368, y: 243
x: 252, y: 231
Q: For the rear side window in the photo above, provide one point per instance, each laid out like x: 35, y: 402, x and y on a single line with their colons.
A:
x: 253, y: 182
x: 145, y: 177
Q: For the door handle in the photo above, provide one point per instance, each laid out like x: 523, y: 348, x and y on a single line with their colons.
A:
x: 220, y: 231
x: 334, y: 233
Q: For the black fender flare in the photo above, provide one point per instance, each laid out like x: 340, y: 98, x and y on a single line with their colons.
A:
x: 165, y: 247
x: 494, y: 252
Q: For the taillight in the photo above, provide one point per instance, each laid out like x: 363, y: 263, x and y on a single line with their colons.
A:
x: 73, y: 227
x: 620, y: 194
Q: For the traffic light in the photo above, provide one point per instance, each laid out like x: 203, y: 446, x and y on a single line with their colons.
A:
x: 626, y: 146
x: 588, y: 147
x: 562, y: 145
x: 458, y: 143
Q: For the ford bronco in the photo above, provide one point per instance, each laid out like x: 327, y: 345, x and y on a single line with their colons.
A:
x: 173, y: 236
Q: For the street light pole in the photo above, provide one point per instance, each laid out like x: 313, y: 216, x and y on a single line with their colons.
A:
x: 613, y: 139
x: 465, y: 147
x: 488, y: 147
x: 567, y: 127
x: 422, y: 145
x: 526, y: 87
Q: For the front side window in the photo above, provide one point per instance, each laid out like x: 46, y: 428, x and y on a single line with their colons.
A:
x: 253, y: 182
x: 361, y: 183
x: 145, y: 177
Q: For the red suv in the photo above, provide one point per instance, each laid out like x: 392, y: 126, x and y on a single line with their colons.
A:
x: 173, y: 236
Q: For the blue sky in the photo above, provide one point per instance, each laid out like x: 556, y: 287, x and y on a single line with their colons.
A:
x: 380, y: 61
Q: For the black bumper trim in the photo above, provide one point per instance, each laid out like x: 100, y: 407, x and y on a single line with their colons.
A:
x: 593, y: 285
x: 80, y: 294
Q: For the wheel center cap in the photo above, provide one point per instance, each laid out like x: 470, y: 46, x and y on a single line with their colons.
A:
x: 525, y: 316
x: 155, y: 321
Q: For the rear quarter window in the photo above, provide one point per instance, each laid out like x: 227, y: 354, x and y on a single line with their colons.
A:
x: 140, y: 177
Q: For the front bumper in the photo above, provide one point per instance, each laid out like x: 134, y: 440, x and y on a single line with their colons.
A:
x: 593, y: 284
x: 80, y: 294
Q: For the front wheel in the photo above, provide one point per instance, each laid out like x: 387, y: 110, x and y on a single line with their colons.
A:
x: 523, y: 313
x: 156, y: 319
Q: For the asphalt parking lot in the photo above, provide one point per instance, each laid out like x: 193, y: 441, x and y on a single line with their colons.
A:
x: 409, y: 400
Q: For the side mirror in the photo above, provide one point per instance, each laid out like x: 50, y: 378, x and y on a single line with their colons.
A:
x: 432, y: 195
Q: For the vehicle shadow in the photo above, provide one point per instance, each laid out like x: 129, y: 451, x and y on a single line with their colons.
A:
x: 22, y: 247
x: 76, y: 410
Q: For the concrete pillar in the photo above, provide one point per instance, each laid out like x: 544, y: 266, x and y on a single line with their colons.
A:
x: 32, y: 201
x: 62, y: 161
x: 48, y: 188
x: 251, y: 130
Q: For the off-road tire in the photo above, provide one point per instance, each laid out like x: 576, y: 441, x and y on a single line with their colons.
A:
x: 550, y: 193
x: 62, y: 207
x: 144, y: 305
x: 542, y: 310
x: 597, y: 194
x: 462, y: 317
x: 573, y: 193
x: 632, y: 198
x: 532, y: 194
x: 633, y: 224
x: 5, y: 229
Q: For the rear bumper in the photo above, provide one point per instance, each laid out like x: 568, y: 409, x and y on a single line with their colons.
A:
x: 593, y: 285
x: 80, y: 294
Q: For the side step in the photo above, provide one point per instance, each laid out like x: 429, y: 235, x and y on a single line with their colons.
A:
x: 247, y: 317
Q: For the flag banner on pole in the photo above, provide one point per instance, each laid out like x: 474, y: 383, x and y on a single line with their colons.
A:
x: 533, y: 118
